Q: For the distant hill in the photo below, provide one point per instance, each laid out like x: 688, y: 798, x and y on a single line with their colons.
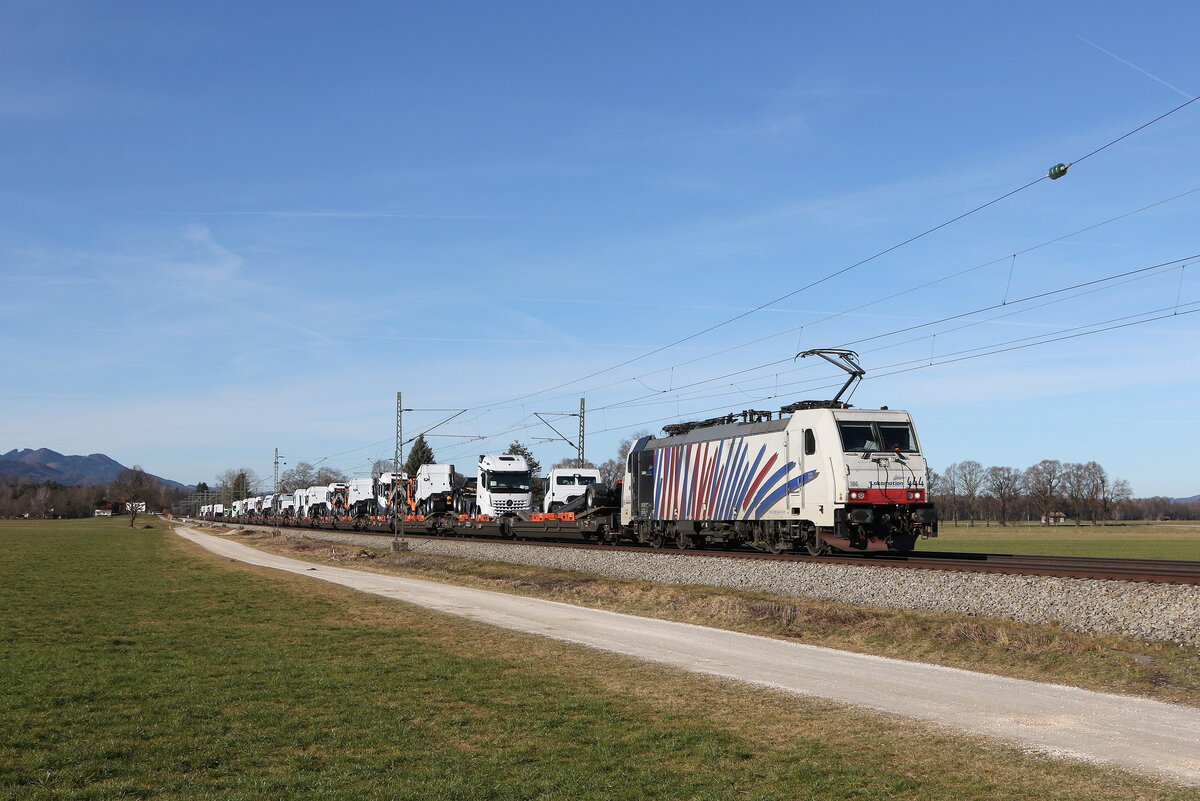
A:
x: 1192, y: 499
x: 92, y: 470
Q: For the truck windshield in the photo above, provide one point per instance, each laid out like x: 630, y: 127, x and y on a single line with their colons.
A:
x: 508, y: 482
x: 867, y: 436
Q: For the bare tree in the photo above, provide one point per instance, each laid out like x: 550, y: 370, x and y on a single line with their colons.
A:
x: 970, y: 481
x: 950, y: 485
x: 611, y: 471
x: 1120, y: 494
x: 329, y: 475
x: 237, y: 483
x: 300, y: 476
x: 134, y: 490
x: 1096, y: 491
x: 574, y: 463
x: 41, y: 499
x: 1075, y: 489
x: 1043, y: 483
x: 1003, y: 485
x: 381, y: 466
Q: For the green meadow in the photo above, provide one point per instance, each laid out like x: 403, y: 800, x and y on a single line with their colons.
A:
x: 1131, y: 541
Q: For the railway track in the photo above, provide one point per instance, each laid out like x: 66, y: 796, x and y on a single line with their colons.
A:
x: 1157, y: 571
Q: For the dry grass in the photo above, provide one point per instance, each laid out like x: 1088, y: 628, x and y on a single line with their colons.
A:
x: 1048, y: 653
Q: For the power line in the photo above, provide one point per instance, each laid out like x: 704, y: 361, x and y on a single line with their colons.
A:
x: 948, y: 318
x: 741, y: 391
x: 857, y: 264
x: 859, y: 307
x: 999, y: 348
x: 1141, y: 272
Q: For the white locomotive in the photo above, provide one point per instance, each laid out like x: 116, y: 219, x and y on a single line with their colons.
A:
x: 822, y: 475
x: 851, y: 479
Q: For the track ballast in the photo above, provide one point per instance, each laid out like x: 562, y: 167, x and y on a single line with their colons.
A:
x: 1156, y: 571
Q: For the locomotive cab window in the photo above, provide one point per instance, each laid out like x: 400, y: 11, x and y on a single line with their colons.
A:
x: 897, y: 437
x: 868, y: 437
x: 858, y: 437
x: 810, y: 442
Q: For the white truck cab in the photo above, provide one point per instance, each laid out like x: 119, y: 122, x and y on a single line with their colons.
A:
x: 434, y: 488
x: 387, y: 491
x: 504, y: 485
x: 565, y: 484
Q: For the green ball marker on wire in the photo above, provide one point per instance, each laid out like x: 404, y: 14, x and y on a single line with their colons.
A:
x: 1057, y: 171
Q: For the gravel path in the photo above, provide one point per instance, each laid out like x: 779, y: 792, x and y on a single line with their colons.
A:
x: 1133, y: 733
x: 1169, y: 612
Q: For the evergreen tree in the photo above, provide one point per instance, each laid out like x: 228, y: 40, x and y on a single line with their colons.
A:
x: 241, y: 486
x: 420, y: 454
x: 517, y: 449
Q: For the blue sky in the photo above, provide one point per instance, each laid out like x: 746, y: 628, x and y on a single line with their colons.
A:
x: 230, y: 227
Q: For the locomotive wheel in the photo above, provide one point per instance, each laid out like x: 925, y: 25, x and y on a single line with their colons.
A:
x: 684, y: 541
x: 657, y: 539
x: 817, y: 546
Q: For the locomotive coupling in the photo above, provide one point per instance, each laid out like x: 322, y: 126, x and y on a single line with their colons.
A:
x: 860, y: 515
x: 924, y: 515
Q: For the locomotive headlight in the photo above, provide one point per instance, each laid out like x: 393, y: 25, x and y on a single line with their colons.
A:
x: 858, y: 495
x: 916, y: 495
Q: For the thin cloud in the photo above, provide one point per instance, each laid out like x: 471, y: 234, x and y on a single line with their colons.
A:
x: 356, y: 215
x: 1131, y: 65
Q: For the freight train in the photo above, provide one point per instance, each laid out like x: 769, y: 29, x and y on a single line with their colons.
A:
x: 816, y: 476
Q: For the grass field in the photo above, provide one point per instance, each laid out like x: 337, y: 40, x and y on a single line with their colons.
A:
x: 1136, y: 541
x: 137, y: 666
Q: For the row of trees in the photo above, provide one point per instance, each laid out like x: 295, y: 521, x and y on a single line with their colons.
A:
x: 51, y: 499
x: 967, y: 491
x: 47, y: 499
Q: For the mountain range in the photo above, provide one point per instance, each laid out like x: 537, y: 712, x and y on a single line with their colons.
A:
x: 92, y: 470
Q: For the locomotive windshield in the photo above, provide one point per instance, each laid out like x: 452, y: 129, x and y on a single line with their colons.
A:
x: 508, y: 482
x: 868, y: 436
